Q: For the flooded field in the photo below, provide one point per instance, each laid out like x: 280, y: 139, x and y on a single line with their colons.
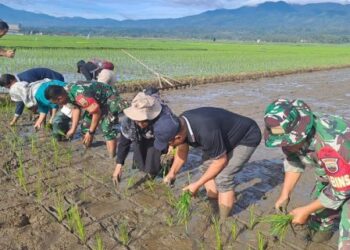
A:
x: 60, y: 196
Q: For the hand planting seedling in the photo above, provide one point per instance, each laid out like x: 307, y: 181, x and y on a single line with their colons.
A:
x: 278, y: 224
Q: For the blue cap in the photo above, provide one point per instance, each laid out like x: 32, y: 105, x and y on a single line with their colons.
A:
x: 165, y: 129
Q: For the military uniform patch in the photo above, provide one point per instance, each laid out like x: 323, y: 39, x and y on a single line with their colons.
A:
x: 82, y: 101
x: 331, y: 164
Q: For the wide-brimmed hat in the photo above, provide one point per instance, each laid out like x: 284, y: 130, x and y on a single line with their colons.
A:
x: 293, y: 119
x: 143, y: 107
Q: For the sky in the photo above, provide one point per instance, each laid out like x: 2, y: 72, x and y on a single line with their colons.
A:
x: 135, y: 9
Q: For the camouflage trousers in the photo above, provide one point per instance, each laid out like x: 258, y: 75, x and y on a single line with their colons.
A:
x: 344, y: 227
x: 326, y: 219
x: 107, y: 125
x: 60, y: 125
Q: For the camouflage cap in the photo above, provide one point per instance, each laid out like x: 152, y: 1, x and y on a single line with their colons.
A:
x: 294, y: 118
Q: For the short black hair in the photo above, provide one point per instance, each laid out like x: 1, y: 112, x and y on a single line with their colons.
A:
x: 6, y: 79
x: 3, y: 25
x: 54, y: 91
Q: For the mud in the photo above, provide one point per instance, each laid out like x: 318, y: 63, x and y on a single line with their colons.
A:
x: 140, y: 216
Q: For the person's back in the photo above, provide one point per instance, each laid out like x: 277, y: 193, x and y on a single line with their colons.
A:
x: 37, y: 74
x: 235, y: 129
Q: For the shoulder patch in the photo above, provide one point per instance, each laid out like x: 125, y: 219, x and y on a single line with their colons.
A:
x: 331, y: 164
x: 82, y: 101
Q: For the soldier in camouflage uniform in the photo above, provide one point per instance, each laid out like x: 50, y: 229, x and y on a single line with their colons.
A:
x: 322, y: 141
x: 101, y: 103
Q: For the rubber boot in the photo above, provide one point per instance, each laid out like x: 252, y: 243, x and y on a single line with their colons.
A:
x: 321, y: 236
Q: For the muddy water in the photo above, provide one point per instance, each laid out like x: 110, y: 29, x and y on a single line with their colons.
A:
x: 144, y: 211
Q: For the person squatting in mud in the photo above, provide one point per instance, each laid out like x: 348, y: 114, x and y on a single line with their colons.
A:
x: 137, y: 127
x: 101, y: 104
x: 22, y: 81
x: 322, y: 141
x: 227, y: 140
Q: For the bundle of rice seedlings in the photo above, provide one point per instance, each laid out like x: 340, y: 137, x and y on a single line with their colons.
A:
x: 278, y: 224
x: 183, y: 206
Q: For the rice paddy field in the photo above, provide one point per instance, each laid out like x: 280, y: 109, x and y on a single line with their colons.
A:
x: 60, y: 195
x: 175, y: 58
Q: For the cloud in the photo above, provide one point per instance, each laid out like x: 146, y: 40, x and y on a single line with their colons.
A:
x: 134, y: 9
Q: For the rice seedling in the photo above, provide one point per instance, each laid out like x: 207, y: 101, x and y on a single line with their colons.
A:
x: 261, y: 241
x: 216, y: 228
x: 77, y: 223
x: 59, y: 205
x: 278, y: 224
x: 169, y: 219
x: 171, y: 200
x: 20, y: 173
x: 129, y: 183
x: 252, y: 217
x: 54, y: 146
x: 234, y: 230
x: 150, y: 184
x: 99, y: 243
x: 124, y: 233
x: 183, y: 206
x: 39, y: 188
x: 34, y: 147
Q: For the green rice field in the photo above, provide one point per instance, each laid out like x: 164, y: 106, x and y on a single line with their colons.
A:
x: 175, y: 58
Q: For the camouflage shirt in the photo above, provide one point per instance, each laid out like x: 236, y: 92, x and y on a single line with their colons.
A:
x: 89, y: 96
x: 328, y: 150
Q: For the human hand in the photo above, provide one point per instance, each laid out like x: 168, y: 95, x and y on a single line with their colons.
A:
x: 281, y: 204
x: 87, y: 140
x: 70, y: 133
x: 169, y: 179
x: 192, y: 188
x: 300, y: 215
x: 38, y: 124
x: 117, y: 175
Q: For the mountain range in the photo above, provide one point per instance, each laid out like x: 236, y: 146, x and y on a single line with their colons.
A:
x: 269, y: 21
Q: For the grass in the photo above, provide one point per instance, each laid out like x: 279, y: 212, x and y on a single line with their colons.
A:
x: 183, y: 206
x: 59, y: 205
x: 55, y: 149
x: 123, y: 233
x: 169, y: 220
x: 234, y: 232
x: 76, y: 223
x: 150, y: 184
x: 171, y: 199
x: 176, y: 58
x: 99, y: 243
x: 216, y: 228
x: 278, y: 224
x: 20, y: 173
x: 252, y: 217
x: 34, y: 146
x: 39, y: 187
x: 261, y: 241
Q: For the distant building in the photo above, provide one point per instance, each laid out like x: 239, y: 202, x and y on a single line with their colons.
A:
x: 14, y: 29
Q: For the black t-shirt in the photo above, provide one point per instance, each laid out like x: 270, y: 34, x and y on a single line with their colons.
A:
x: 217, y: 131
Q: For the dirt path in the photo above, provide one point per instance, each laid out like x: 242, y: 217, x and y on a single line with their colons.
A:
x: 141, y: 216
